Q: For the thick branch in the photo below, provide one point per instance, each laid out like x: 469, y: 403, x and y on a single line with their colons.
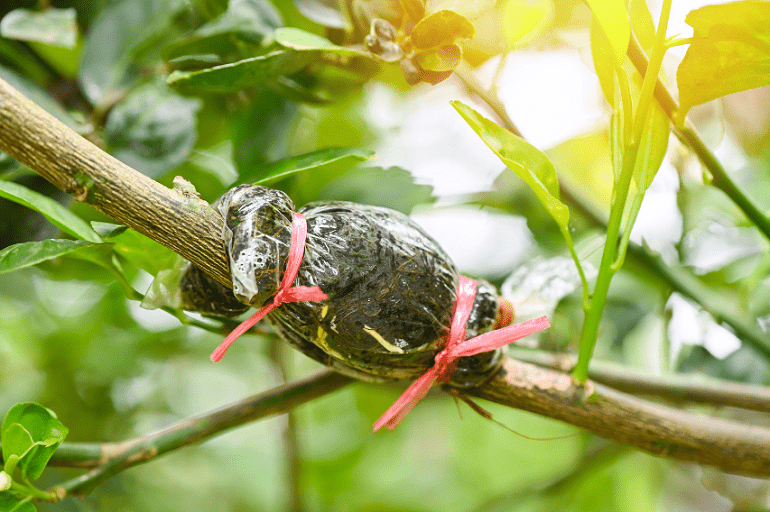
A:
x: 182, y: 223
x: 674, y: 388
x: 657, y: 429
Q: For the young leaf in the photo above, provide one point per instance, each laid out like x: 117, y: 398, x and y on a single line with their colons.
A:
x: 26, y: 254
x: 276, y: 170
x: 153, y: 129
x: 16, y: 441
x: 55, y: 27
x: 730, y: 52
x: 603, y: 58
x: 440, y: 29
x: 43, y: 428
x: 524, y: 159
x: 613, y: 19
x: 652, y: 148
x: 59, y: 216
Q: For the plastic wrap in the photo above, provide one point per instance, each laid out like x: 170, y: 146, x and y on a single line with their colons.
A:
x: 390, y: 286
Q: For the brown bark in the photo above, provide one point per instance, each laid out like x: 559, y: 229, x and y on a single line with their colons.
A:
x: 181, y: 222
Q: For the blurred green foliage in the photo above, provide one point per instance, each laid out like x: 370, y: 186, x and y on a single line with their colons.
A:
x: 221, y: 93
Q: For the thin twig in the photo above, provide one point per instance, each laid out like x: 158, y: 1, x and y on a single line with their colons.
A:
x: 111, y: 458
x: 674, y: 388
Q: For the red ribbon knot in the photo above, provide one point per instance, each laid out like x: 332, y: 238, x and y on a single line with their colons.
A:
x: 286, y: 292
x: 456, y: 347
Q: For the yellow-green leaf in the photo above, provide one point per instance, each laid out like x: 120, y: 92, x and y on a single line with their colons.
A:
x: 641, y: 22
x: 521, y: 157
x: 604, y: 65
x: 652, y: 148
x: 440, y: 29
x: 524, y: 21
x: 445, y: 58
x: 613, y: 19
x: 730, y: 52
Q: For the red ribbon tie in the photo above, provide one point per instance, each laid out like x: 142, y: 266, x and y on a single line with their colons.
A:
x: 286, y: 292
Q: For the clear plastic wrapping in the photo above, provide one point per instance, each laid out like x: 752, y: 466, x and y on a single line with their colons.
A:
x: 390, y: 286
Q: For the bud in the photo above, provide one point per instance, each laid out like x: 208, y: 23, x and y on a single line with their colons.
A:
x: 5, y: 481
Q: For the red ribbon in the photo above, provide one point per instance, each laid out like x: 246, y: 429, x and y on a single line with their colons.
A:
x: 456, y: 347
x: 286, y: 292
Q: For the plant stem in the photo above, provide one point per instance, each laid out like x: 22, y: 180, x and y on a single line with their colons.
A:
x: 611, y: 257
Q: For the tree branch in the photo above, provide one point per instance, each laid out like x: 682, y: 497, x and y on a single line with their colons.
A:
x: 728, y: 445
x: 675, y: 388
x: 183, y: 223
x: 110, y: 458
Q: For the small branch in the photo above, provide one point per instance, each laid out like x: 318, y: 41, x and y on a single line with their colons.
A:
x: 489, y: 96
x: 182, y: 223
x: 674, y: 388
x: 729, y: 446
x: 691, y: 139
x: 111, y: 458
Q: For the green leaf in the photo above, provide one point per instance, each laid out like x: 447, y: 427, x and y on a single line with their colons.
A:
x: 10, y: 504
x: 730, y: 52
x: 262, y: 131
x: 55, y: 27
x: 293, y: 50
x: 441, y: 28
x: 524, y: 159
x: 249, y: 21
x: 153, y: 129
x: 392, y: 188
x: 107, y: 229
x: 16, y: 441
x: 44, y: 430
x: 244, y: 73
x: 27, y: 254
x: 612, y: 17
x: 60, y: 216
x: 276, y: 170
x: 106, y: 65
x: 143, y: 252
x: 299, y: 40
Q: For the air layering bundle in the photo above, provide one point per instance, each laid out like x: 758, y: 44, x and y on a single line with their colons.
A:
x: 361, y: 289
